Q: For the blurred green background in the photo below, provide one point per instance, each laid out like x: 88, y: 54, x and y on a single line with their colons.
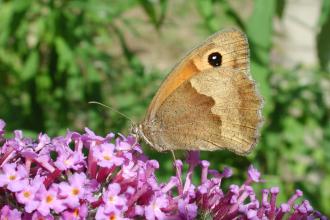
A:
x: 57, y: 55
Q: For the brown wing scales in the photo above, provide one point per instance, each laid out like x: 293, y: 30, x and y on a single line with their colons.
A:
x: 207, y: 113
x: 205, y: 108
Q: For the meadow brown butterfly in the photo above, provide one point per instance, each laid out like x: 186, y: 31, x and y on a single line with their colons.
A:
x: 208, y: 101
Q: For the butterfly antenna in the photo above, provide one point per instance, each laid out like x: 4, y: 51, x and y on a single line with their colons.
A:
x: 112, y: 109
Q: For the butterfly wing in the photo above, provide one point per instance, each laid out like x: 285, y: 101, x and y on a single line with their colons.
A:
x: 231, y: 43
x: 203, y: 107
x: 218, y: 109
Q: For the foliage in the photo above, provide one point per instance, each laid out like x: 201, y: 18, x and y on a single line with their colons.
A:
x: 55, y: 56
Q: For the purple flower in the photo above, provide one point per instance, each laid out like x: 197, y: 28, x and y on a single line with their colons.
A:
x: 127, y: 143
x: 8, y: 213
x: 153, y: 210
x: 115, y: 180
x: 253, y: 174
x: 129, y: 170
x: 187, y: 210
x: 112, y: 200
x: 102, y: 215
x: 74, y: 190
x: 76, y: 214
x: 14, y: 178
x: 38, y: 216
x: 74, y: 160
x: 28, y: 195
x: 91, y: 138
x: 49, y: 201
x: 43, y: 141
x: 105, y: 156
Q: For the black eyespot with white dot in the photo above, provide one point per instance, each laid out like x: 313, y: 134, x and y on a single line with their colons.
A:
x: 215, y: 59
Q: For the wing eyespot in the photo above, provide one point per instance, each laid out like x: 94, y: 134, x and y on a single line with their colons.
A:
x: 215, y: 59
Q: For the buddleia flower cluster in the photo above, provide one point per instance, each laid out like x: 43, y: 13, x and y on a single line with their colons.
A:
x: 86, y: 176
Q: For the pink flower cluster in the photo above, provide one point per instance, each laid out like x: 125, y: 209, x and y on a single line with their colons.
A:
x: 85, y: 176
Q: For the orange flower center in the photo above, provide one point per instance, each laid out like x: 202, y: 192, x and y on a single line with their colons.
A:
x: 49, y: 199
x: 106, y: 157
x: 112, y: 217
x: 76, y: 213
x: 12, y: 177
x: 26, y: 194
x: 111, y: 199
x: 75, y: 191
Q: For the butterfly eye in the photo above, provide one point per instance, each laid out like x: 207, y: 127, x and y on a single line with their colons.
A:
x: 215, y: 59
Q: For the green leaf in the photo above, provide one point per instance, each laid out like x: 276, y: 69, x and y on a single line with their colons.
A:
x: 74, y: 89
x: 325, y: 12
x: 294, y: 130
x: 280, y: 6
x: 206, y: 10
x: 260, y: 29
x: 323, y: 38
x: 43, y: 82
x: 65, y: 53
x: 31, y: 66
x: 232, y: 14
x: 6, y: 10
x: 260, y: 74
x: 163, y: 10
x: 325, y: 194
x: 151, y: 10
x: 12, y: 60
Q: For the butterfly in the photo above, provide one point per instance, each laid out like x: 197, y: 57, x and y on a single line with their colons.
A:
x: 209, y: 100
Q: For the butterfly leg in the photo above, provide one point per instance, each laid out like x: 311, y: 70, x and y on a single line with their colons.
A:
x: 178, y: 170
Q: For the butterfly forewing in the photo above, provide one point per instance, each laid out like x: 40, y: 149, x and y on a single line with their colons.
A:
x: 208, y: 101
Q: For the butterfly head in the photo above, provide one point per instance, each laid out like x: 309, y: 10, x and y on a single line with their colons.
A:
x: 137, y: 132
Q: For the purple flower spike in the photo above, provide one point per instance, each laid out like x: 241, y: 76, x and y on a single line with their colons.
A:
x: 285, y: 207
x: 273, y: 194
x: 205, y: 166
x: 115, y: 180
x: 298, y: 194
x: 174, y: 182
x: 265, y: 202
x: 178, y: 168
x: 227, y: 172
